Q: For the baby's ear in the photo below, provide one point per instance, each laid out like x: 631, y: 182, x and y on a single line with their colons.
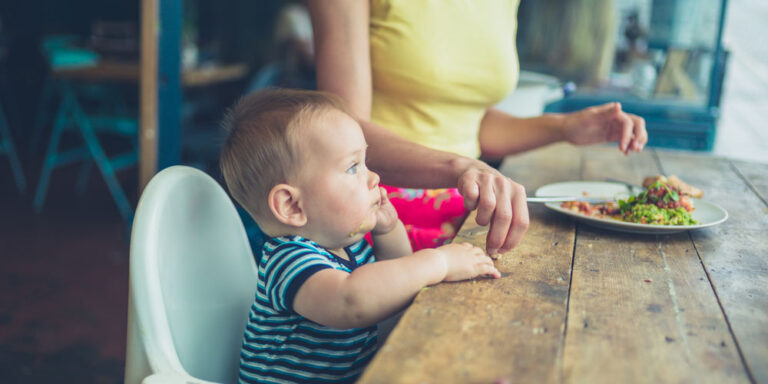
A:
x: 285, y: 204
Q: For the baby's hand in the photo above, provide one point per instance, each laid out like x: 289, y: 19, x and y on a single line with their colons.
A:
x: 386, y: 216
x: 465, y: 261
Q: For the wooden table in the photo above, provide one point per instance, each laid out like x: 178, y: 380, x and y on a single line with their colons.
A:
x: 587, y: 305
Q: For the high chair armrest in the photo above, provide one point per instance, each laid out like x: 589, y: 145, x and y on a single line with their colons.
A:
x: 173, y: 378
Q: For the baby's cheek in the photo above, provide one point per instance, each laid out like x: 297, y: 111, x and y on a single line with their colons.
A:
x: 366, y: 224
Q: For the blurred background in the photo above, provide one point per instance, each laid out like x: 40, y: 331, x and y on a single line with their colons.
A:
x: 697, y: 70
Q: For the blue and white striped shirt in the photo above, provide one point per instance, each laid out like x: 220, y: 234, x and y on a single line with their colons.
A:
x: 281, y: 346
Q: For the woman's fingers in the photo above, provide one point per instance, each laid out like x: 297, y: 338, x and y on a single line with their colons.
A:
x: 487, y: 199
x: 615, y: 124
x: 470, y: 191
x: 502, y: 216
x: 499, y: 202
x: 520, y: 221
x: 625, y: 126
x: 510, y: 218
x: 607, y: 108
x: 640, y: 132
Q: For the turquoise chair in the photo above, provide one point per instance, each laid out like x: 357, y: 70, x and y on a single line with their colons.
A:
x: 71, y: 117
x: 7, y: 148
x: 59, y: 52
x: 109, y: 117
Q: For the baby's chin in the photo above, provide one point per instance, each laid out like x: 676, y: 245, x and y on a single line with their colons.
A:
x: 366, y: 225
x: 356, y: 235
x: 346, y: 241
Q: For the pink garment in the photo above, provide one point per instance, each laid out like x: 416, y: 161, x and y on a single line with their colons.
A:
x: 431, y: 216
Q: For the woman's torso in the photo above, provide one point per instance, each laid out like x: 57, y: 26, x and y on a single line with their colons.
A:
x: 438, y: 64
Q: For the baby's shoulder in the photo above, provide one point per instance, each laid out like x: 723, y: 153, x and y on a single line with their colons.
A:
x: 287, y: 247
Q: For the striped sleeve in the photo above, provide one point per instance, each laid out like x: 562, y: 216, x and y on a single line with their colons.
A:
x: 287, y: 269
x: 362, y: 252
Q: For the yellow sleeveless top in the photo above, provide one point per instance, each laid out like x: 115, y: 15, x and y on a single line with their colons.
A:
x: 438, y: 64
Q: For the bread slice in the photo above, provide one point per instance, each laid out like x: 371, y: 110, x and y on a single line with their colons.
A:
x: 674, y: 181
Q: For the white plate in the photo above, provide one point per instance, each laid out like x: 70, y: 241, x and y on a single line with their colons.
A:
x: 706, y: 214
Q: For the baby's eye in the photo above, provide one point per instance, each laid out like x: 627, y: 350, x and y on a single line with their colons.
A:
x: 353, y: 169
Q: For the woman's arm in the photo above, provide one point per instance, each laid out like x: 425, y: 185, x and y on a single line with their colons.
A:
x: 342, y: 51
x: 502, y: 134
x: 342, y: 55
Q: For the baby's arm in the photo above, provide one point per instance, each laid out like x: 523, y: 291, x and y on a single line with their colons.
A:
x: 375, y: 291
x: 390, y: 240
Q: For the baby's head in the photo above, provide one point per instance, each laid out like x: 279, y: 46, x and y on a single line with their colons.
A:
x: 295, y: 160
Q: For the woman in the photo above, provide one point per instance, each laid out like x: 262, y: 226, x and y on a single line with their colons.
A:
x: 422, y: 77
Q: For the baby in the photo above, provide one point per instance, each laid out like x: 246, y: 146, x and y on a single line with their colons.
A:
x: 295, y: 160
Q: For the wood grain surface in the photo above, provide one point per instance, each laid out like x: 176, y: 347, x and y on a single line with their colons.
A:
x: 735, y: 254
x: 640, y: 301
x: 579, y: 304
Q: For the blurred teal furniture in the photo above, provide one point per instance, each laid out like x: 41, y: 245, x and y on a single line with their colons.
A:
x: 7, y: 148
x: 90, y: 106
x: 60, y: 52
x: 71, y: 117
x: 669, y: 68
x: 106, y: 114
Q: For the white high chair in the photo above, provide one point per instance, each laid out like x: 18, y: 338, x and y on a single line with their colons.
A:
x: 192, y: 282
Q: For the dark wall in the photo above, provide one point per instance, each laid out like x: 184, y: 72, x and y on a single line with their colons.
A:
x: 228, y: 31
x: 22, y: 24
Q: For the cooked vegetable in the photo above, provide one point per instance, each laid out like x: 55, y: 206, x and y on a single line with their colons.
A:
x: 660, y: 204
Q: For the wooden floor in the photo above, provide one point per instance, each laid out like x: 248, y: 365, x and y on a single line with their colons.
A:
x: 63, y: 285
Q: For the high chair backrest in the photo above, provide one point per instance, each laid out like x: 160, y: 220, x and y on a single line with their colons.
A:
x: 192, y: 282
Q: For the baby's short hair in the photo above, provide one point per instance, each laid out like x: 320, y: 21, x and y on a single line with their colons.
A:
x: 260, y: 150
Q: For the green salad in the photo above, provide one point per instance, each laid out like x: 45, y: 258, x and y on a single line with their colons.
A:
x: 660, y: 204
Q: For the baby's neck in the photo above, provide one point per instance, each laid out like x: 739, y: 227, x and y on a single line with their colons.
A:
x: 276, y: 231
x: 340, y: 252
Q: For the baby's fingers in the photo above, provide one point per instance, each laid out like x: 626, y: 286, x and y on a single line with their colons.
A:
x: 489, y: 270
x: 485, y: 267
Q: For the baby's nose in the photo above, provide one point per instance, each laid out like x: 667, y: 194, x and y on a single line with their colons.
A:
x: 373, y: 179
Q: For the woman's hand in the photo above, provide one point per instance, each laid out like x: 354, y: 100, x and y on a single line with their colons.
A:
x: 499, y: 201
x: 386, y: 216
x: 604, y: 123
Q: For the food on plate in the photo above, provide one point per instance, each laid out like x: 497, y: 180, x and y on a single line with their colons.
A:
x: 675, y: 182
x: 605, y: 210
x: 661, y: 204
